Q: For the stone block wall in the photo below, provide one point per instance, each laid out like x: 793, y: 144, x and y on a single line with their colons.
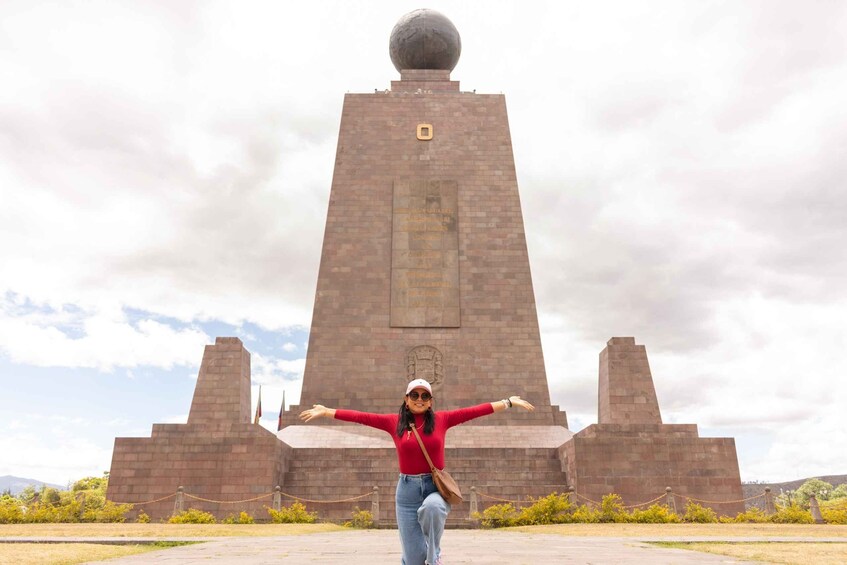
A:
x: 222, y: 394
x: 218, y: 455
x: 228, y: 463
x: 638, y: 462
x: 632, y: 454
x: 626, y: 392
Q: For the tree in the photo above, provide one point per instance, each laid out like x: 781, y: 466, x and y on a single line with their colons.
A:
x: 839, y: 492
x: 821, y: 489
x: 28, y: 494
x: 98, y: 484
x: 49, y: 495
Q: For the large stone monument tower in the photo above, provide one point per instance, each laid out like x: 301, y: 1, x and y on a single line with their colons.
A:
x: 424, y: 271
x: 424, y: 274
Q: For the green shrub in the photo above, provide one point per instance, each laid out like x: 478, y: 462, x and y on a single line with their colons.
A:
x: 192, y: 516
x: 294, y: 514
x: 142, y: 517
x: 792, y: 514
x: 834, y: 516
x: 498, y: 516
x: 752, y: 516
x: 40, y: 513
x: 362, y: 519
x: 49, y: 495
x: 109, y: 512
x: 655, y: 514
x: 834, y: 510
x: 696, y: 514
x: 586, y: 515
x: 834, y: 504
x: 242, y: 518
x: 11, y: 511
x: 551, y: 509
x: 612, y: 510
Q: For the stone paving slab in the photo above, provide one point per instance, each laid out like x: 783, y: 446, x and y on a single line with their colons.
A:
x: 459, y: 547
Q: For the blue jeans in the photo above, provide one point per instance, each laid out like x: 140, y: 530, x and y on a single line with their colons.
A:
x: 421, y: 514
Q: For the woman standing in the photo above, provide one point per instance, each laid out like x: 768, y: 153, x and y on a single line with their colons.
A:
x: 421, y: 511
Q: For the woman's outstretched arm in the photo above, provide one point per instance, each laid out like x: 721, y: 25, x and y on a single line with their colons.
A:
x: 462, y: 415
x: 507, y: 403
x: 317, y: 411
x: 385, y: 422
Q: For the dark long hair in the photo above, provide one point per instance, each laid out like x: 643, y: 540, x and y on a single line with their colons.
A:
x: 406, y: 418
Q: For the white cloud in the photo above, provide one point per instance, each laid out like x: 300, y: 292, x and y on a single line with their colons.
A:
x: 289, y: 347
x: 108, y: 339
x: 58, y: 459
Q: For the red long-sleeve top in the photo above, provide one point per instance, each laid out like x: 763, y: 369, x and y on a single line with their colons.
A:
x: 409, y: 454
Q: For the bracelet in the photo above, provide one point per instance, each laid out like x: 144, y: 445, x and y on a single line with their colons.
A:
x: 506, y: 403
x: 509, y: 400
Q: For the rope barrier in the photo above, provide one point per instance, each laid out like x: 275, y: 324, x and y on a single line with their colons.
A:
x: 719, y: 501
x: 143, y: 503
x: 587, y: 499
x: 285, y: 494
x: 658, y: 498
x: 291, y: 496
x: 227, y: 501
x: 482, y: 494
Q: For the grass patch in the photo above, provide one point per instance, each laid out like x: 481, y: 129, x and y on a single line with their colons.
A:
x: 66, y: 553
x: 675, y: 530
x: 787, y: 553
x: 162, y: 530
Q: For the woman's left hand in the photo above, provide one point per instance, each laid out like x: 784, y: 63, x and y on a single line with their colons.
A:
x: 518, y: 401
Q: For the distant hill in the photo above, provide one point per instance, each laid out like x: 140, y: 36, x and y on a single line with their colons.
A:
x: 17, y: 484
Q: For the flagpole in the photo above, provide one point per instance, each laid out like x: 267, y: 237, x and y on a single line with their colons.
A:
x: 281, y: 412
x: 258, y: 407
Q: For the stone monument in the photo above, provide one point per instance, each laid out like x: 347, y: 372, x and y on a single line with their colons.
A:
x: 632, y: 453
x: 424, y: 273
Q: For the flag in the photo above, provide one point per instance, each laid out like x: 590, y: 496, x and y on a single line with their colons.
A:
x: 258, y: 407
x: 281, y: 412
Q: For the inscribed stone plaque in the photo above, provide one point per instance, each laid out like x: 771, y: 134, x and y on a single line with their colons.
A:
x: 425, y: 254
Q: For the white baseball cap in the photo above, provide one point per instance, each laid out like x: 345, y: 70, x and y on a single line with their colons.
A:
x: 418, y: 383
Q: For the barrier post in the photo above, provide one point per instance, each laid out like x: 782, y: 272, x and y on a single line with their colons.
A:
x: 277, y: 498
x: 670, y: 500
x: 570, y: 496
x: 179, y: 501
x: 375, y: 505
x: 769, y: 507
x: 474, y: 504
x: 816, y: 510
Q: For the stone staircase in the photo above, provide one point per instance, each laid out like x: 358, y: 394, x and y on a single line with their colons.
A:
x: 513, y: 466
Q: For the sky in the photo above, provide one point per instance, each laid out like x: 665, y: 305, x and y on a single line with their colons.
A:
x: 165, y: 170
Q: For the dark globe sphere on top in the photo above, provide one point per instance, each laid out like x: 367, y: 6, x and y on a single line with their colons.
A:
x: 425, y: 39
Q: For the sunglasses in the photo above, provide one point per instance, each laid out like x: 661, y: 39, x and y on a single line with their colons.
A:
x: 414, y: 395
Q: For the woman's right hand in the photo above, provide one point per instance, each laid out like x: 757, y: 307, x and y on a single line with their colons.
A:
x: 316, y: 411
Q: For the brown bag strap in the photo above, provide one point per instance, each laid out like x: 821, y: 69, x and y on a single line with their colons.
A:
x: 423, y: 448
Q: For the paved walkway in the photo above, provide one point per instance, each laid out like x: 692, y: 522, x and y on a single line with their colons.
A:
x: 459, y: 546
